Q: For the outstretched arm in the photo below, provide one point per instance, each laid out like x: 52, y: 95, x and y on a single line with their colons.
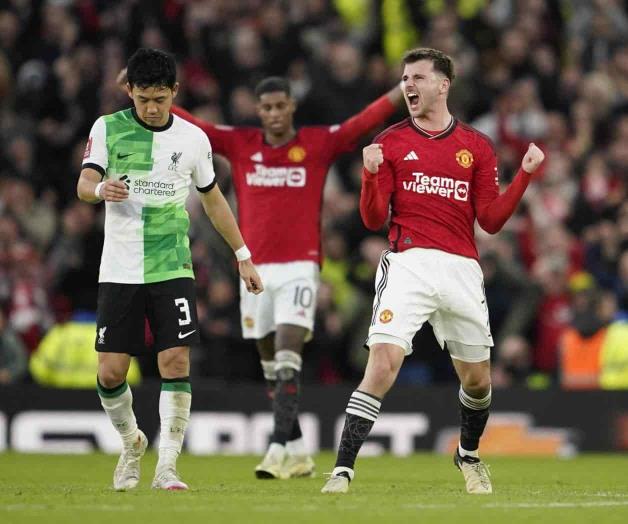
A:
x: 493, y: 212
x: 372, y: 116
x: 219, y: 212
x: 220, y: 136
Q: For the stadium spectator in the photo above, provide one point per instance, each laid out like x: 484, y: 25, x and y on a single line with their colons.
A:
x: 13, y: 356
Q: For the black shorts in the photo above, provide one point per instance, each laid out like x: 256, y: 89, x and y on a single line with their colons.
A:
x: 169, y: 307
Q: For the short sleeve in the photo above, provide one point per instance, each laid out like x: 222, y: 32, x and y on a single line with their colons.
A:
x: 204, y: 176
x: 96, y: 155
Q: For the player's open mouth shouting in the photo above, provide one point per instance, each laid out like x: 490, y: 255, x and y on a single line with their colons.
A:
x: 413, y: 99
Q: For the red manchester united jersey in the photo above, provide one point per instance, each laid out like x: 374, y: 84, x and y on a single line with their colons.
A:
x: 279, y: 189
x: 437, y: 185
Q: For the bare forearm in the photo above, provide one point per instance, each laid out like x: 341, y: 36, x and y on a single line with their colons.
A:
x: 86, y: 187
x: 221, y: 216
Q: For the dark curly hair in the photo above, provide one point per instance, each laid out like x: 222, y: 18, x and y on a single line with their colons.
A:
x: 151, y: 68
x: 271, y: 85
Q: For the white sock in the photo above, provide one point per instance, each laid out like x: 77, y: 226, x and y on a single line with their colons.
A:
x: 174, y: 412
x: 343, y: 469
x: 296, y: 447
x: 277, y: 450
x: 268, y: 368
x: 466, y: 453
x: 118, y: 404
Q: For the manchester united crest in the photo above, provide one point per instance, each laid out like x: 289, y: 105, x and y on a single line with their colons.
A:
x: 385, y: 316
x: 296, y: 153
x: 249, y: 322
x: 464, y: 158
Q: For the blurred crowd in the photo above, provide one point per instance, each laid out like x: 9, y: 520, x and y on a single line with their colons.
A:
x: 550, y: 71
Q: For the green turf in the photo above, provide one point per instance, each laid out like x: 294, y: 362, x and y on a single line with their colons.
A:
x: 421, y: 488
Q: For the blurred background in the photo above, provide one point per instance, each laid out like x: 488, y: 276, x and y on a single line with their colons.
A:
x: 550, y: 71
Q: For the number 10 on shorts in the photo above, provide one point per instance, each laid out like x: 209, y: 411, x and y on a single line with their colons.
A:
x: 303, y: 296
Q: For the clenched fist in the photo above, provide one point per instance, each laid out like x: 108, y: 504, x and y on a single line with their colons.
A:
x: 373, y: 157
x: 532, y: 159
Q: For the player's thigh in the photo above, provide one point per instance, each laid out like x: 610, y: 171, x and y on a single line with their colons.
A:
x: 464, y: 316
x: 120, y: 318
x: 256, y: 311
x: 401, y: 305
x: 295, y: 297
x: 171, y: 311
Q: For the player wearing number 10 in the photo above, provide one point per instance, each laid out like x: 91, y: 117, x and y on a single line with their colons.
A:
x: 279, y: 173
x: 141, y: 162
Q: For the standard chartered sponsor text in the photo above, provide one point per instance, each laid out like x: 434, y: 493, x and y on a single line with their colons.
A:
x: 147, y: 187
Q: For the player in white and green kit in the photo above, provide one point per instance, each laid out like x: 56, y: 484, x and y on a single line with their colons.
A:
x: 142, y: 161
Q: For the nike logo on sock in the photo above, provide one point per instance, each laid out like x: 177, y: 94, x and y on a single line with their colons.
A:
x: 121, y: 155
x: 183, y: 335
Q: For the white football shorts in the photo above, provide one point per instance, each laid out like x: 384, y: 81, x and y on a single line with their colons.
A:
x: 289, y: 297
x: 430, y: 285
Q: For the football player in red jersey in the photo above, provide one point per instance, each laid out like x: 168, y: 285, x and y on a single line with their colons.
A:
x: 437, y: 176
x: 279, y: 173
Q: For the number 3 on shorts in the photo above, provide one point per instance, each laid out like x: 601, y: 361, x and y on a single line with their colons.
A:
x: 184, y: 307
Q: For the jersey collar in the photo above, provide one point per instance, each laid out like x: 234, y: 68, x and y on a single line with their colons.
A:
x: 444, y: 133
x: 155, y: 129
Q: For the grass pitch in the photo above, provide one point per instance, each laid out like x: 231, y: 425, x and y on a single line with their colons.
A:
x: 420, y: 488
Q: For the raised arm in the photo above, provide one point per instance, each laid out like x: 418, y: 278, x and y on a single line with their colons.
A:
x: 492, y: 209
x: 220, y: 136
x: 376, y: 188
x: 372, y: 116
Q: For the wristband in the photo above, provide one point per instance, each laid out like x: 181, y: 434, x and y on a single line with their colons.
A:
x: 97, y: 189
x: 242, y: 254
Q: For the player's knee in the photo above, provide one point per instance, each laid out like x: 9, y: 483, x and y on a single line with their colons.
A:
x: 110, y: 377
x: 174, y: 364
x: 477, y: 385
x: 383, y: 372
x: 177, y: 368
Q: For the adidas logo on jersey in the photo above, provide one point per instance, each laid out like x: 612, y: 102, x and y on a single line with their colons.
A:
x: 257, y: 157
x: 411, y: 156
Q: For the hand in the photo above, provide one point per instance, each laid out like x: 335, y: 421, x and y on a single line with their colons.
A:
x: 373, y: 157
x: 249, y: 275
x: 532, y: 159
x: 114, y: 191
